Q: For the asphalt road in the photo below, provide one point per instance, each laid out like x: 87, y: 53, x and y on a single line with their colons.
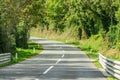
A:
x: 58, y: 61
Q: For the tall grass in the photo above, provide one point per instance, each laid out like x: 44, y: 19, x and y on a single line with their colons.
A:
x: 68, y: 35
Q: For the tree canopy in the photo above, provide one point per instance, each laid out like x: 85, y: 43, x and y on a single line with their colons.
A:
x: 89, y: 17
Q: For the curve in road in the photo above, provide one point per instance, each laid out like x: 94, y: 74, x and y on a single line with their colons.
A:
x: 58, y: 61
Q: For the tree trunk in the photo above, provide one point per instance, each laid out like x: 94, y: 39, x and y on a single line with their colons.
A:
x: 5, y: 40
x: 80, y: 33
x: 0, y: 39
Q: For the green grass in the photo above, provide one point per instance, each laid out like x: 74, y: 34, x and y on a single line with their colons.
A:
x: 24, y: 54
x: 94, y: 57
x: 111, y: 78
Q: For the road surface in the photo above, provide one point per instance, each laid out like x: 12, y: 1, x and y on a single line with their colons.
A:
x: 58, y: 61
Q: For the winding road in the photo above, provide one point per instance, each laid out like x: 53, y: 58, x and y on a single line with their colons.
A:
x: 58, y: 61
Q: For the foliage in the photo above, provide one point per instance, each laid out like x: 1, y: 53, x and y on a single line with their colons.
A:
x: 91, y: 21
x: 81, y: 19
x: 95, y: 23
x: 27, y: 53
x: 16, y: 19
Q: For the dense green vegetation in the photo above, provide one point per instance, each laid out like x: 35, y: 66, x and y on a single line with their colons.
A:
x: 79, y: 20
x: 86, y: 21
x: 92, y: 24
x: 16, y: 19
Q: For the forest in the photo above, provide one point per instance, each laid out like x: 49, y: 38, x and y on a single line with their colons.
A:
x: 79, y: 20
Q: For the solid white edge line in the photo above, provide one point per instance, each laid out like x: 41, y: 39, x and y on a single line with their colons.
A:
x: 46, y: 71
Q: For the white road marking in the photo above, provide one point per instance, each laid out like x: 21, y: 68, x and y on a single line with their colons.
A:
x: 58, y: 61
x: 46, y: 71
x: 63, y: 55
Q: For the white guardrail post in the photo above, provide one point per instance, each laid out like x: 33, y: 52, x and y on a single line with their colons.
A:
x: 5, y: 57
x: 111, y: 66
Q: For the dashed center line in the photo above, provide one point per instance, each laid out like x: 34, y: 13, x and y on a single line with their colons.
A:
x: 63, y: 55
x: 48, y: 70
x: 58, y: 61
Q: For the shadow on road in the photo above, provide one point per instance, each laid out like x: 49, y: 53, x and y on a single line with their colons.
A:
x: 75, y: 65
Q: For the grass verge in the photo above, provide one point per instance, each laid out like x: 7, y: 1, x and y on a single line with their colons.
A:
x: 24, y: 54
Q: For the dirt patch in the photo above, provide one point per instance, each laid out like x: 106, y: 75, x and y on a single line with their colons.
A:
x: 112, y: 52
